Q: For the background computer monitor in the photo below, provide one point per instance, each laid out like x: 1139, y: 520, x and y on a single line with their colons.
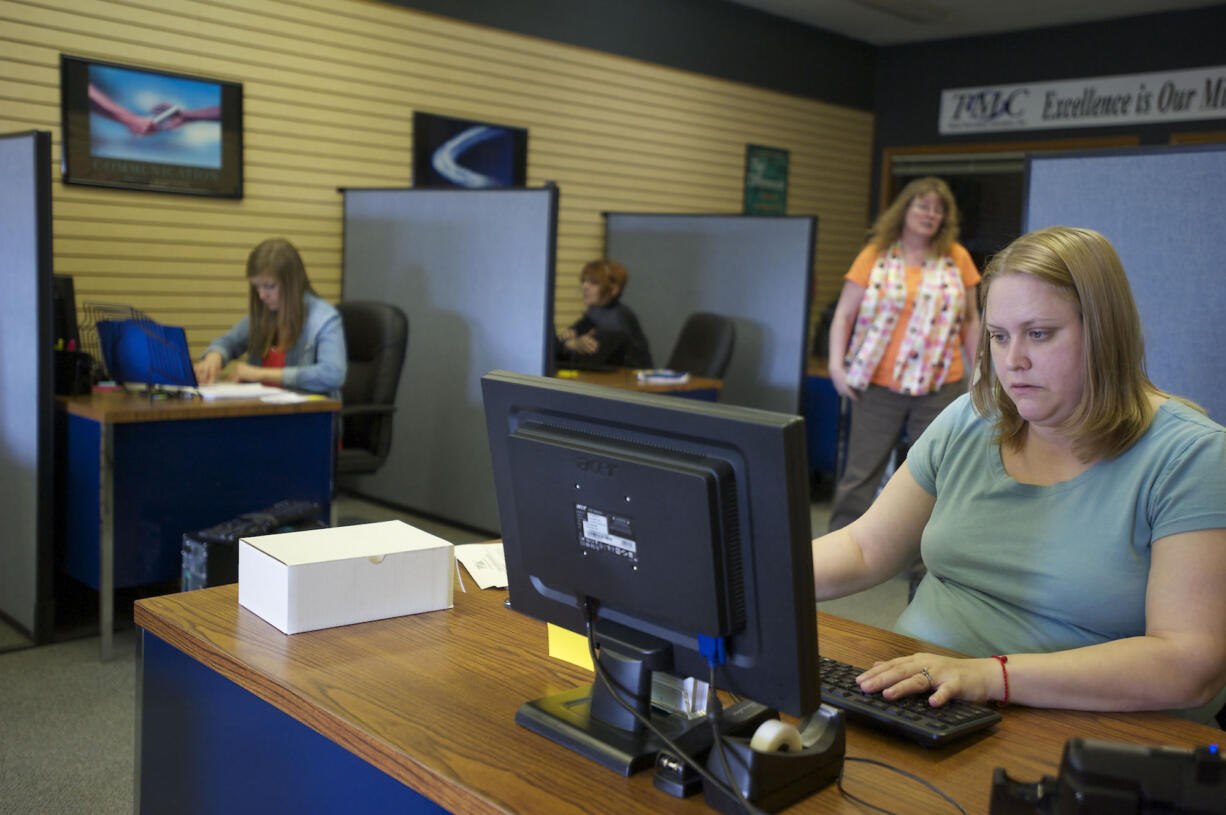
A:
x: 64, y: 313
x: 680, y: 520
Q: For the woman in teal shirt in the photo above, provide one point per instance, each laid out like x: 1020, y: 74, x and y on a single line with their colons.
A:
x: 1072, y: 516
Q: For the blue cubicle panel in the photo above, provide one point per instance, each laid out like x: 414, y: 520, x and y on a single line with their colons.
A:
x: 1163, y: 210
x: 26, y: 381
x: 821, y: 411
x: 756, y: 270
x: 473, y: 270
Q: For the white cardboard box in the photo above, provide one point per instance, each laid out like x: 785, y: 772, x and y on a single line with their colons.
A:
x: 302, y: 581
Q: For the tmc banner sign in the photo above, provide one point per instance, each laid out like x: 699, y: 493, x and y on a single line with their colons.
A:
x: 1098, y: 102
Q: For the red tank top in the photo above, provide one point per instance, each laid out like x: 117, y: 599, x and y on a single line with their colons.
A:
x: 275, y: 358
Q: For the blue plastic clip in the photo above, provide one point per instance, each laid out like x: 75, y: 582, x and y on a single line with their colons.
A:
x: 713, y: 648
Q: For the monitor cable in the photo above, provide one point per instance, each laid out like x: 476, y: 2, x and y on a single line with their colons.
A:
x: 894, y: 769
x: 588, y: 606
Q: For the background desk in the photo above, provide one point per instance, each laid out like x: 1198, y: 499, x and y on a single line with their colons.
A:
x: 140, y: 473
x: 234, y: 716
x: 696, y: 387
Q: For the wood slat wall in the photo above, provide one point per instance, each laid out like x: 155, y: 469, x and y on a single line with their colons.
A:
x: 329, y: 90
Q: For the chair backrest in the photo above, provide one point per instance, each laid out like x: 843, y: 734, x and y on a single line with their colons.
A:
x: 376, y: 337
x: 705, y: 345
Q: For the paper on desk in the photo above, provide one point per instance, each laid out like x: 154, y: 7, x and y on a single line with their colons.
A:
x: 663, y: 376
x: 285, y: 398
x: 484, y: 563
x: 237, y: 390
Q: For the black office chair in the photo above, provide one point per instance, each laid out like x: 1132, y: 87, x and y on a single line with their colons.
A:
x: 376, y: 336
x: 705, y: 345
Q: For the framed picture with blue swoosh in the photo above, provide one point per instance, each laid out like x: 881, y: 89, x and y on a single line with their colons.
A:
x: 451, y: 152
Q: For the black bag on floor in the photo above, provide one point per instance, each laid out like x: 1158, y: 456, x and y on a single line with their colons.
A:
x: 210, y: 556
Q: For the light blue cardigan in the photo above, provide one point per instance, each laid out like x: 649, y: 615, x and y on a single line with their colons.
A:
x: 318, y: 360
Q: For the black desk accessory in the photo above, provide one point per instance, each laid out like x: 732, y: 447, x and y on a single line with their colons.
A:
x: 1102, y: 778
x: 74, y: 373
x: 773, y: 781
x: 675, y: 776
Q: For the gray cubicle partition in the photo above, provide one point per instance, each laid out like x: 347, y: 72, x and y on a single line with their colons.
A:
x: 473, y: 270
x: 26, y: 548
x: 1164, y: 210
x: 756, y: 270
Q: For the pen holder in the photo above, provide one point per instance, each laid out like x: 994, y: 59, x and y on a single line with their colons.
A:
x: 73, y: 373
x: 772, y: 781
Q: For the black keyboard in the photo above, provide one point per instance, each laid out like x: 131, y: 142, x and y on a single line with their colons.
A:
x: 910, y: 717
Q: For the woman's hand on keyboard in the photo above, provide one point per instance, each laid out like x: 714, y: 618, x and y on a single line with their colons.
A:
x: 942, y: 678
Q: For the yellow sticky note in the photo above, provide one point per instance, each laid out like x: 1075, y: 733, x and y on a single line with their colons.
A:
x: 568, y: 646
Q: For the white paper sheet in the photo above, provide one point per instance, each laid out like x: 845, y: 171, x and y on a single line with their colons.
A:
x: 484, y: 562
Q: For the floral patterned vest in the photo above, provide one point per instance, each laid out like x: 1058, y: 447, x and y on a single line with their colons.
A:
x: 932, y: 333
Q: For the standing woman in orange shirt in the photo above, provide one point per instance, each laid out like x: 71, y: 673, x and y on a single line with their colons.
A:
x: 903, y: 333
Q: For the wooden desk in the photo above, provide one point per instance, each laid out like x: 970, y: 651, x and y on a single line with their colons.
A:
x: 389, y: 711
x: 139, y: 473
x: 696, y: 387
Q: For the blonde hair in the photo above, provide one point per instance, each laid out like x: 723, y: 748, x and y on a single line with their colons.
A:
x: 606, y: 274
x: 276, y: 258
x: 1115, y: 409
x: 887, y: 229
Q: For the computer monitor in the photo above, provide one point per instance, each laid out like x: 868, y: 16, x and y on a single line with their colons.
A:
x: 681, y: 526
x: 64, y: 313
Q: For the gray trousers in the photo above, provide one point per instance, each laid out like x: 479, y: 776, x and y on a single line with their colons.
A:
x: 877, y: 422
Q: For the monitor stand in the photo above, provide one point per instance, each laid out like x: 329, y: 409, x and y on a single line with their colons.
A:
x: 589, y: 721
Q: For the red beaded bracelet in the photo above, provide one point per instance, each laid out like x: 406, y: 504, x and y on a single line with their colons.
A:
x: 1005, y: 673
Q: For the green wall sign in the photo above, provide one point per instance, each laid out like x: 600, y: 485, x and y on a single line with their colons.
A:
x: 766, y: 180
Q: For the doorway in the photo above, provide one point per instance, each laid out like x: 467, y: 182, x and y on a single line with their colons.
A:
x: 987, y: 180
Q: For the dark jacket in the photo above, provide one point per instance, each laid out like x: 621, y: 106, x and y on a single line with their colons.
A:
x: 620, y: 339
